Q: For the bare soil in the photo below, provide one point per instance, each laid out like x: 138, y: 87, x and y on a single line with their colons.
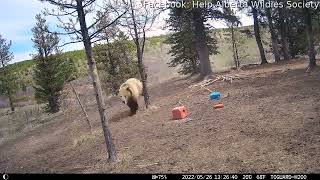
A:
x: 270, y: 123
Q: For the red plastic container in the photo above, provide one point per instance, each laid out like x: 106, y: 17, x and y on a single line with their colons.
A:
x: 179, y: 112
x: 218, y: 106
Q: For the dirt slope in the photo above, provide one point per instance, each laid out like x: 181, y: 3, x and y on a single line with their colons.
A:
x: 270, y: 123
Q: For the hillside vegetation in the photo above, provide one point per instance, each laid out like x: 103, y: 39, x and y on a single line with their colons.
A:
x: 156, y: 58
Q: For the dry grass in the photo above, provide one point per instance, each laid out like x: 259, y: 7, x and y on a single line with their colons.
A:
x: 24, y: 119
x: 87, y: 138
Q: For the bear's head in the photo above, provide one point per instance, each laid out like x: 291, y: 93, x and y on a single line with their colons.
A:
x: 125, y: 94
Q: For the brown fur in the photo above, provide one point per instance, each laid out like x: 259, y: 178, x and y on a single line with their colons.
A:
x: 129, y: 92
x: 133, y: 105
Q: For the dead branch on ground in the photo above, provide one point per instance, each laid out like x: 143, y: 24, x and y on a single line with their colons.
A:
x: 228, y: 78
x: 82, y: 108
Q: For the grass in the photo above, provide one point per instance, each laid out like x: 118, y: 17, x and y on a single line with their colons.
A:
x: 87, y: 138
x: 224, y: 60
x: 23, y: 119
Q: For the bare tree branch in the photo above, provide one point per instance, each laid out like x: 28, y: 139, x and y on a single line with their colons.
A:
x: 97, y: 40
x: 71, y: 42
x: 97, y: 20
x: 64, y: 33
x: 63, y: 5
x: 64, y: 13
x: 102, y: 28
x: 88, y: 3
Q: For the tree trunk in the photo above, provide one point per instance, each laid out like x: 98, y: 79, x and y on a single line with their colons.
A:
x: 142, y: 72
x: 283, y: 33
x: 274, y: 39
x: 96, y: 82
x: 53, y: 101
x: 257, y: 35
x: 11, y: 102
x: 201, y: 44
x: 8, y: 89
x: 311, y: 53
x: 234, y: 48
x: 113, y: 69
x: 194, y: 66
x: 237, y: 56
x: 236, y: 51
x: 53, y: 104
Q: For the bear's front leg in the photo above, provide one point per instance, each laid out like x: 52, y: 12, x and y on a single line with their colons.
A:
x: 133, y: 105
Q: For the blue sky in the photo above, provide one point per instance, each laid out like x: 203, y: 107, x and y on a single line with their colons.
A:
x: 17, y: 19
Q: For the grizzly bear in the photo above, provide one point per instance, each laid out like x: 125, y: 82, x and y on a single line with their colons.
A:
x: 129, y: 92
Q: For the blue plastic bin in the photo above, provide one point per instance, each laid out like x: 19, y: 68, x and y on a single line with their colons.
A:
x: 215, y: 95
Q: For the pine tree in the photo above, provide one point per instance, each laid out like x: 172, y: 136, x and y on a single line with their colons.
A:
x: 257, y: 33
x: 50, y: 72
x: 50, y: 78
x: 184, y: 41
x: 183, y: 49
x: 296, y: 36
x: 273, y: 34
x: 199, y: 18
x: 8, y: 84
x: 283, y: 29
x: 121, y: 53
x: 296, y: 27
x: 290, y: 27
x: 310, y: 36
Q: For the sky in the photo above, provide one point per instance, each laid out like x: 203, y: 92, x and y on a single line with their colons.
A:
x: 17, y: 19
